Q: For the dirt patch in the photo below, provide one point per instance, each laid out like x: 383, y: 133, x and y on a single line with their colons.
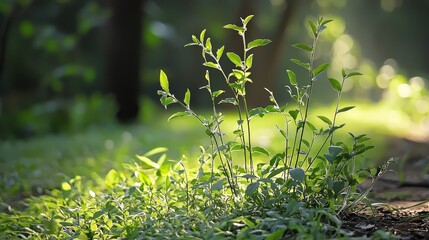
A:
x: 400, y: 199
x: 404, y: 224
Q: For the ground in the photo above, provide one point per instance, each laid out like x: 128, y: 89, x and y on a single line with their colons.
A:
x: 402, y: 193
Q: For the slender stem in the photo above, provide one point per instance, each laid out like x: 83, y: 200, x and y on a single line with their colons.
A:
x: 246, y: 110
x: 336, y: 109
x: 235, y: 94
x: 213, y: 137
x: 249, y: 142
x: 304, y: 122
x: 229, y: 177
x: 309, y: 150
x: 285, y: 176
x: 331, y: 132
x: 293, y: 146
x: 187, y: 187
x: 311, y: 75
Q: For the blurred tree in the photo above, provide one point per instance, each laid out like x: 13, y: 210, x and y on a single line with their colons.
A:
x: 4, y: 31
x: 124, y: 29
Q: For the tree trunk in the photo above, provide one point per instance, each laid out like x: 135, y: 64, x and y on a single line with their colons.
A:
x: 123, y: 43
x: 4, y: 32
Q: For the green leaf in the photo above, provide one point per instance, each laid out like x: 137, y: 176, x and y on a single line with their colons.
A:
x: 167, y: 182
x: 246, y: 20
x: 306, y: 143
x: 230, y: 101
x: 251, y: 189
x: 218, y: 185
x: 195, y: 39
x: 257, y: 111
x: 237, y: 147
x: 240, y: 30
x: 343, y: 73
x: 333, y: 153
x: 249, y: 61
x: 335, y: 84
x: 260, y: 150
x: 276, y: 172
x: 338, y: 127
x: 65, y: 186
x: 208, y: 44
x: 217, y: 93
x: 292, y: 77
x: 325, y: 22
x: 148, y: 162
x: 112, y: 178
x: 257, y: 43
x: 334, y: 150
x: 294, y: 113
x: 338, y: 186
x: 98, y: 214
x: 238, y: 132
x: 361, y: 138
x: 155, y: 151
x: 303, y: 47
x: 299, y: 63
x: 278, y: 234
x: 191, y: 44
x: 93, y: 226
x: 52, y: 225
x: 325, y: 119
x: 165, y: 101
x: 219, y: 53
x: 244, y: 220
x: 211, y: 64
x: 249, y: 176
x: 187, y: 97
x: 320, y: 68
x: 234, y: 58
x: 297, y: 174
x: 311, y: 126
x: 178, y: 114
x: 313, y: 27
x: 364, y: 149
x: 272, y: 109
x: 163, y: 80
x: 282, y: 132
x: 344, y: 109
x: 144, y: 178
x: 207, y: 76
x: 202, y: 34
x: 353, y: 74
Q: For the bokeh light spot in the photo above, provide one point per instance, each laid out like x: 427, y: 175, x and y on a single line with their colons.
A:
x: 404, y: 90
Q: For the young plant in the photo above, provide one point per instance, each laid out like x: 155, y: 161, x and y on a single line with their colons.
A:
x: 236, y: 81
x: 312, y: 167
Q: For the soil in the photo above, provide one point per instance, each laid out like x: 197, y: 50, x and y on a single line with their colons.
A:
x: 400, y: 199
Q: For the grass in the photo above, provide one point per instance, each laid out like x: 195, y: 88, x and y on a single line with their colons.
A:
x: 33, y: 165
